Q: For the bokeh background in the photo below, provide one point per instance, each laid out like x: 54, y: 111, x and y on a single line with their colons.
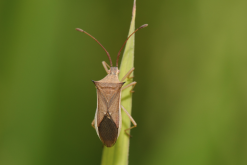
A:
x: 190, y: 101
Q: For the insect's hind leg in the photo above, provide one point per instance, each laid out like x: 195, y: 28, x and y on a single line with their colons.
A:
x: 131, y: 119
x: 93, y: 122
x: 106, y: 66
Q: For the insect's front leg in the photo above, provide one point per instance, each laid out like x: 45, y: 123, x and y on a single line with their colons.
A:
x: 128, y: 76
x: 131, y: 119
x: 106, y: 66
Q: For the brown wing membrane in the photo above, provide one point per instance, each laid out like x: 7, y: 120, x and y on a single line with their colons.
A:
x: 108, y: 131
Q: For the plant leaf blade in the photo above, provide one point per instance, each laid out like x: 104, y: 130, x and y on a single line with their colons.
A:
x: 119, y: 153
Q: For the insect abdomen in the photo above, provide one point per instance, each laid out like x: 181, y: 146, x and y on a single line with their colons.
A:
x: 108, y: 131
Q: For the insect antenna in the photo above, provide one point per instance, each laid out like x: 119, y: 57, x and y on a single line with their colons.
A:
x: 80, y: 30
x: 143, y: 26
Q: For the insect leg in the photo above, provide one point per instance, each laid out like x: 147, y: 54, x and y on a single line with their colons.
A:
x: 106, y: 66
x: 128, y: 74
x: 93, y: 122
x: 131, y: 119
x: 131, y: 84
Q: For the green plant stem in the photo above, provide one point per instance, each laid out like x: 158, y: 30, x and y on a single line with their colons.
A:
x: 119, y: 153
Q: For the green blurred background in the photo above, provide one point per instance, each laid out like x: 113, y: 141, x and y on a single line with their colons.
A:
x: 190, y: 101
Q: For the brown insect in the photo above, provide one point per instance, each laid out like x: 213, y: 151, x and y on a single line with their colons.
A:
x: 108, y: 119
